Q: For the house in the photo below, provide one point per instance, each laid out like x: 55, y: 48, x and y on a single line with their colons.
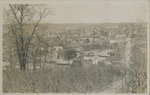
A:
x: 96, y: 56
x: 105, y: 53
x: 62, y: 62
x: 94, y: 59
x: 57, y: 48
x: 118, y: 39
x: 108, y: 63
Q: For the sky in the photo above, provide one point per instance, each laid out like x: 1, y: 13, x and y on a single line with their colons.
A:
x: 99, y: 12
x: 110, y: 11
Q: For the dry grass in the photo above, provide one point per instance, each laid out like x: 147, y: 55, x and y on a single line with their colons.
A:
x: 60, y: 79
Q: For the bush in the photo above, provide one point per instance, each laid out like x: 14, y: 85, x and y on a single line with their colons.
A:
x: 70, y: 54
x: 77, y: 63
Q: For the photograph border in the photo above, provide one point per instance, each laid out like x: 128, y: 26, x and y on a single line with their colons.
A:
x: 2, y: 2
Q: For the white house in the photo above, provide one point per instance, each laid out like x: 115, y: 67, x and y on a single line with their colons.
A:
x: 118, y: 39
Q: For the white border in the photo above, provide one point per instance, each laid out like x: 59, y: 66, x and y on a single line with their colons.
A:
x: 68, y: 2
x: 148, y: 49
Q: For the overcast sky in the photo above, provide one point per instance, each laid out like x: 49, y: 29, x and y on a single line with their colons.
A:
x: 114, y: 11
x: 99, y: 12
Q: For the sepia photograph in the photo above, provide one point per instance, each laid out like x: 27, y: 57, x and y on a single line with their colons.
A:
x: 75, y: 47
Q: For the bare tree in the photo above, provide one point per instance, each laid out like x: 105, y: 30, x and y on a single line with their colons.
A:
x: 23, y: 21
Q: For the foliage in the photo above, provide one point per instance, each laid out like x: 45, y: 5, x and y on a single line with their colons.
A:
x: 61, y: 79
x: 77, y: 63
x: 23, y: 21
x: 70, y: 54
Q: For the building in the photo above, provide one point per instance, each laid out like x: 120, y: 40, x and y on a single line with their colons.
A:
x: 118, y: 39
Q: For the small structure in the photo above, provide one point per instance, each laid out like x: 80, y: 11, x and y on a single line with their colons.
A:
x: 63, y: 62
x: 96, y: 56
x: 118, y: 39
x: 108, y: 63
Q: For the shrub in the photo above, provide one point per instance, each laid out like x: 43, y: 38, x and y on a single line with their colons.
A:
x: 70, y: 54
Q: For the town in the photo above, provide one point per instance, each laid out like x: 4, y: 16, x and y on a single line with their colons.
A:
x: 102, y: 46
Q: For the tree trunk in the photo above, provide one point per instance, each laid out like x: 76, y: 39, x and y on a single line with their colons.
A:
x: 35, y: 56
x: 23, y: 60
x: 44, y: 62
x: 11, y: 59
x: 23, y: 66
